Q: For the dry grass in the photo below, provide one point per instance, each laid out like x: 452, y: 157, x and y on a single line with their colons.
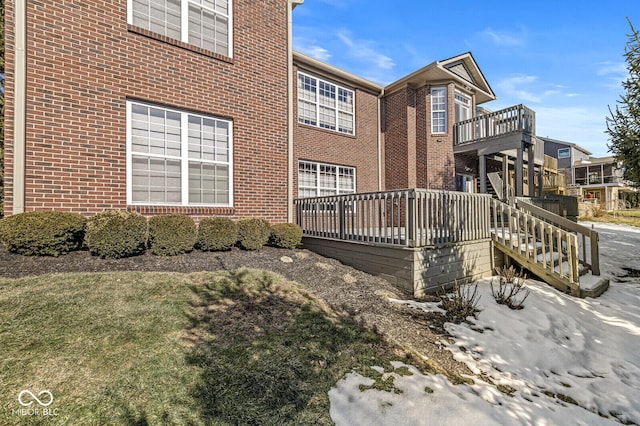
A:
x: 238, y: 347
x: 621, y: 217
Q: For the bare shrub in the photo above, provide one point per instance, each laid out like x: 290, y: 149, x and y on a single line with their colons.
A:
x: 598, y: 209
x: 511, y: 290
x: 461, y: 303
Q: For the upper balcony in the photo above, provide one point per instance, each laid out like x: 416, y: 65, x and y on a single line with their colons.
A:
x: 496, y: 132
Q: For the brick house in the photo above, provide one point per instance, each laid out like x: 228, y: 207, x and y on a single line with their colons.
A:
x: 178, y: 106
x: 203, y: 108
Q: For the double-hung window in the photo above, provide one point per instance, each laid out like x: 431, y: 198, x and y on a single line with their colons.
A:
x: 203, y: 23
x: 176, y: 157
x: 325, y: 105
x: 438, y: 110
x: 319, y: 179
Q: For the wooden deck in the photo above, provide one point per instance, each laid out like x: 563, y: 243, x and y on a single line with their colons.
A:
x: 423, y: 240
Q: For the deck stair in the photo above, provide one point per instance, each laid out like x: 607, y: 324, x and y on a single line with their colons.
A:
x: 557, y: 250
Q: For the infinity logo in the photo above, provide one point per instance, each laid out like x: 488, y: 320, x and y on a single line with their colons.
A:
x: 36, y: 398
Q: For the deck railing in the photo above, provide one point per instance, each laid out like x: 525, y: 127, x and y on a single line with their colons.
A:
x: 518, y: 118
x: 408, y: 217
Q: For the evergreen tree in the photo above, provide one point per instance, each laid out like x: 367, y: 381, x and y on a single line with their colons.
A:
x: 623, y: 126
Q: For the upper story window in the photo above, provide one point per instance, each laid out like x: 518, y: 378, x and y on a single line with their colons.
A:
x: 325, y: 104
x: 564, y: 153
x: 438, y: 110
x: 202, y: 23
x: 178, y: 158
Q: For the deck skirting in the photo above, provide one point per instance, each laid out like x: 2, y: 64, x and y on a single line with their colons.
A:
x: 417, y: 271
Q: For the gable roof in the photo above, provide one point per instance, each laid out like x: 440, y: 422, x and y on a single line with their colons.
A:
x: 565, y: 143
x: 462, y: 68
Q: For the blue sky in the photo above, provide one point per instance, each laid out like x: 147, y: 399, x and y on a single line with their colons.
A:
x: 564, y: 58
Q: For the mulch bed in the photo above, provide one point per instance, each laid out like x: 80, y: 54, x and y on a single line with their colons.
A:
x: 362, y: 296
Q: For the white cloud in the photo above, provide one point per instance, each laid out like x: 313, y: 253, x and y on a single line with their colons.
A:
x: 363, y: 50
x: 505, y: 38
x: 613, y: 73
x: 609, y: 68
x: 309, y: 47
x: 519, y: 87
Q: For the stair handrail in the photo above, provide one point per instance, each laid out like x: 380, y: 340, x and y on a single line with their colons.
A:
x: 582, y: 232
x: 551, y: 239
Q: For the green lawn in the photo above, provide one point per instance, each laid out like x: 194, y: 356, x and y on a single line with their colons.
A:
x: 243, y: 347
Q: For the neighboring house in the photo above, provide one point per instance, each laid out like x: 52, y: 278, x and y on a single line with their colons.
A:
x: 589, y: 178
x: 566, y: 153
x: 601, y: 180
x: 203, y: 108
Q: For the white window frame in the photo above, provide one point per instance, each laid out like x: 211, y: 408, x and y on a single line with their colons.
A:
x: 444, y: 111
x: 317, y: 187
x: 337, y: 110
x: 567, y: 150
x: 184, y: 21
x: 183, y: 158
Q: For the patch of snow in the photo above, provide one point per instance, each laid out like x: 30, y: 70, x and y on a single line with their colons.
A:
x: 558, y: 348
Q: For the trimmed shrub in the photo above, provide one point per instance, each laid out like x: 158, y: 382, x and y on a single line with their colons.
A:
x: 286, y: 235
x: 171, y: 234
x: 253, y: 233
x: 217, y: 234
x: 42, y: 233
x: 116, y: 234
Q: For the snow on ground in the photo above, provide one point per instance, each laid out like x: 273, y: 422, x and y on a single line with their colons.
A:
x: 558, y: 348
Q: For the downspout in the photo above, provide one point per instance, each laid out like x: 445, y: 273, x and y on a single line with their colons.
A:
x: 290, y: 113
x: 380, y: 154
x: 19, y: 110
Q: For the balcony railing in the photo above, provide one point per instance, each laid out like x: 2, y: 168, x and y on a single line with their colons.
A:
x: 599, y: 180
x: 516, y: 119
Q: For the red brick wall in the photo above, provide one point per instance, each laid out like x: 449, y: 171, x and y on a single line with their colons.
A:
x: 326, y: 146
x: 440, y: 163
x: 84, y: 62
x: 414, y: 156
x: 394, y: 128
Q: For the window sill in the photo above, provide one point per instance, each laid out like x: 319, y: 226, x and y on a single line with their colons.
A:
x: 331, y: 132
x: 172, y: 41
x: 187, y: 210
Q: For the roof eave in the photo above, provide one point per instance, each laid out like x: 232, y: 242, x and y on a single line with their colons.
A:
x: 332, y: 71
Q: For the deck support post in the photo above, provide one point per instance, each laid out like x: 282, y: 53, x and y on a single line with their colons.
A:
x: 519, y: 171
x: 540, y: 181
x: 531, y: 169
x: 483, y: 173
x: 505, y: 178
